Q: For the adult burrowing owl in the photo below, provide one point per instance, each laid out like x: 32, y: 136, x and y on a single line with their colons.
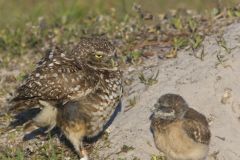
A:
x: 77, y: 91
x: 179, y: 131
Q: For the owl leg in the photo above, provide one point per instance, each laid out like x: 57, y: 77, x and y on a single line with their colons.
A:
x: 47, y: 116
x: 75, y: 131
x: 49, y: 128
x: 76, y: 140
x: 73, y: 124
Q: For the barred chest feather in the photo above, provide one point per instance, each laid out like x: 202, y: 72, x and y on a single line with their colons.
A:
x: 104, y: 102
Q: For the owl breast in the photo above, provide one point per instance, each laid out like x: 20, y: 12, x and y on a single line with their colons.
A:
x: 103, y: 104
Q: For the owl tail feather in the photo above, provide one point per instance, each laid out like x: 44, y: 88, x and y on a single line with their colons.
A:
x: 17, y: 106
x: 47, y: 116
x: 44, y: 117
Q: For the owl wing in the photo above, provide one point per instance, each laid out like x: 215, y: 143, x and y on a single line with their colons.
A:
x: 56, y: 77
x: 197, y: 131
x: 195, y: 115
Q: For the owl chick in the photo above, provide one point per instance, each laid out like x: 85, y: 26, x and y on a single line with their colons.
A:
x: 77, y: 91
x: 179, y: 131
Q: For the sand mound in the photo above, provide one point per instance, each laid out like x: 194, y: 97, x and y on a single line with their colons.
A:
x: 210, y: 86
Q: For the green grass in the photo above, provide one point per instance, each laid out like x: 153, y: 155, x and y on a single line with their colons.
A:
x: 17, y: 13
x: 32, y: 25
x: 26, y: 26
x: 55, y: 11
x: 49, y: 150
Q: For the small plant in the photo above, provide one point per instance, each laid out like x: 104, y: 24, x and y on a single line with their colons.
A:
x: 148, y: 81
x: 233, y: 12
x: 215, y: 11
x: 131, y: 103
x: 179, y: 42
x: 237, y: 13
x: 21, y: 77
x: 51, y: 151
x: 221, y: 59
x: 172, y: 53
x: 19, y: 154
x: 121, y: 158
x: 202, y: 54
x: 222, y: 43
x: 136, y: 158
x: 196, y: 41
x: 230, y: 13
x: 12, y: 154
x: 125, y: 149
x: 177, y: 23
x: 134, y: 57
x: 192, y: 24
x: 158, y: 157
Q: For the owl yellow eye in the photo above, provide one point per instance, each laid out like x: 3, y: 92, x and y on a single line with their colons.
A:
x: 98, y: 55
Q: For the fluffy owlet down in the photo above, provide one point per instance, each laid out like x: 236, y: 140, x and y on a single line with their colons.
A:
x: 179, y: 131
x: 78, y: 91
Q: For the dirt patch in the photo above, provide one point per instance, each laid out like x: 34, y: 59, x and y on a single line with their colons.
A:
x: 209, y: 85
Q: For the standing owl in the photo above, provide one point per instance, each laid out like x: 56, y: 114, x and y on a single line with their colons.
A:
x: 179, y: 131
x: 76, y: 91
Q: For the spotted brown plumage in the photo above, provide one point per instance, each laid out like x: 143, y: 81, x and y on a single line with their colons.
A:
x: 196, y: 126
x: 78, y: 90
x: 179, y: 131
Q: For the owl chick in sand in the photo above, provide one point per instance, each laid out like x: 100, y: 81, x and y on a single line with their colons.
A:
x: 179, y: 131
x: 76, y: 91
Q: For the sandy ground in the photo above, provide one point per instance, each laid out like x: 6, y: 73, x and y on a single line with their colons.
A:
x: 207, y: 85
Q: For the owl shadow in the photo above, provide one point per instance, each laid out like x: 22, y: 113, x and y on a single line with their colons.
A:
x: 23, y: 117
x: 150, y: 119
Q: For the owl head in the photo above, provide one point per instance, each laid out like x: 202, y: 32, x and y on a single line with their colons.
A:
x: 170, y: 106
x: 97, y: 53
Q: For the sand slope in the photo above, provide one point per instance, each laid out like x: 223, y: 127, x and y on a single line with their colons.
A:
x: 207, y: 86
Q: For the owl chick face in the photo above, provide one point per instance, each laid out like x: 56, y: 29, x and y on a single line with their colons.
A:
x: 165, y: 113
x: 170, y: 106
x: 97, y: 53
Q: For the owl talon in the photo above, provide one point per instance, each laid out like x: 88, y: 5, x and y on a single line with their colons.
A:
x: 49, y: 129
x: 84, y: 158
x: 109, y: 130
x: 83, y: 152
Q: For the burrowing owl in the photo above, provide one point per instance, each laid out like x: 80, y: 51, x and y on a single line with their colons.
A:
x: 179, y: 131
x: 77, y: 91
